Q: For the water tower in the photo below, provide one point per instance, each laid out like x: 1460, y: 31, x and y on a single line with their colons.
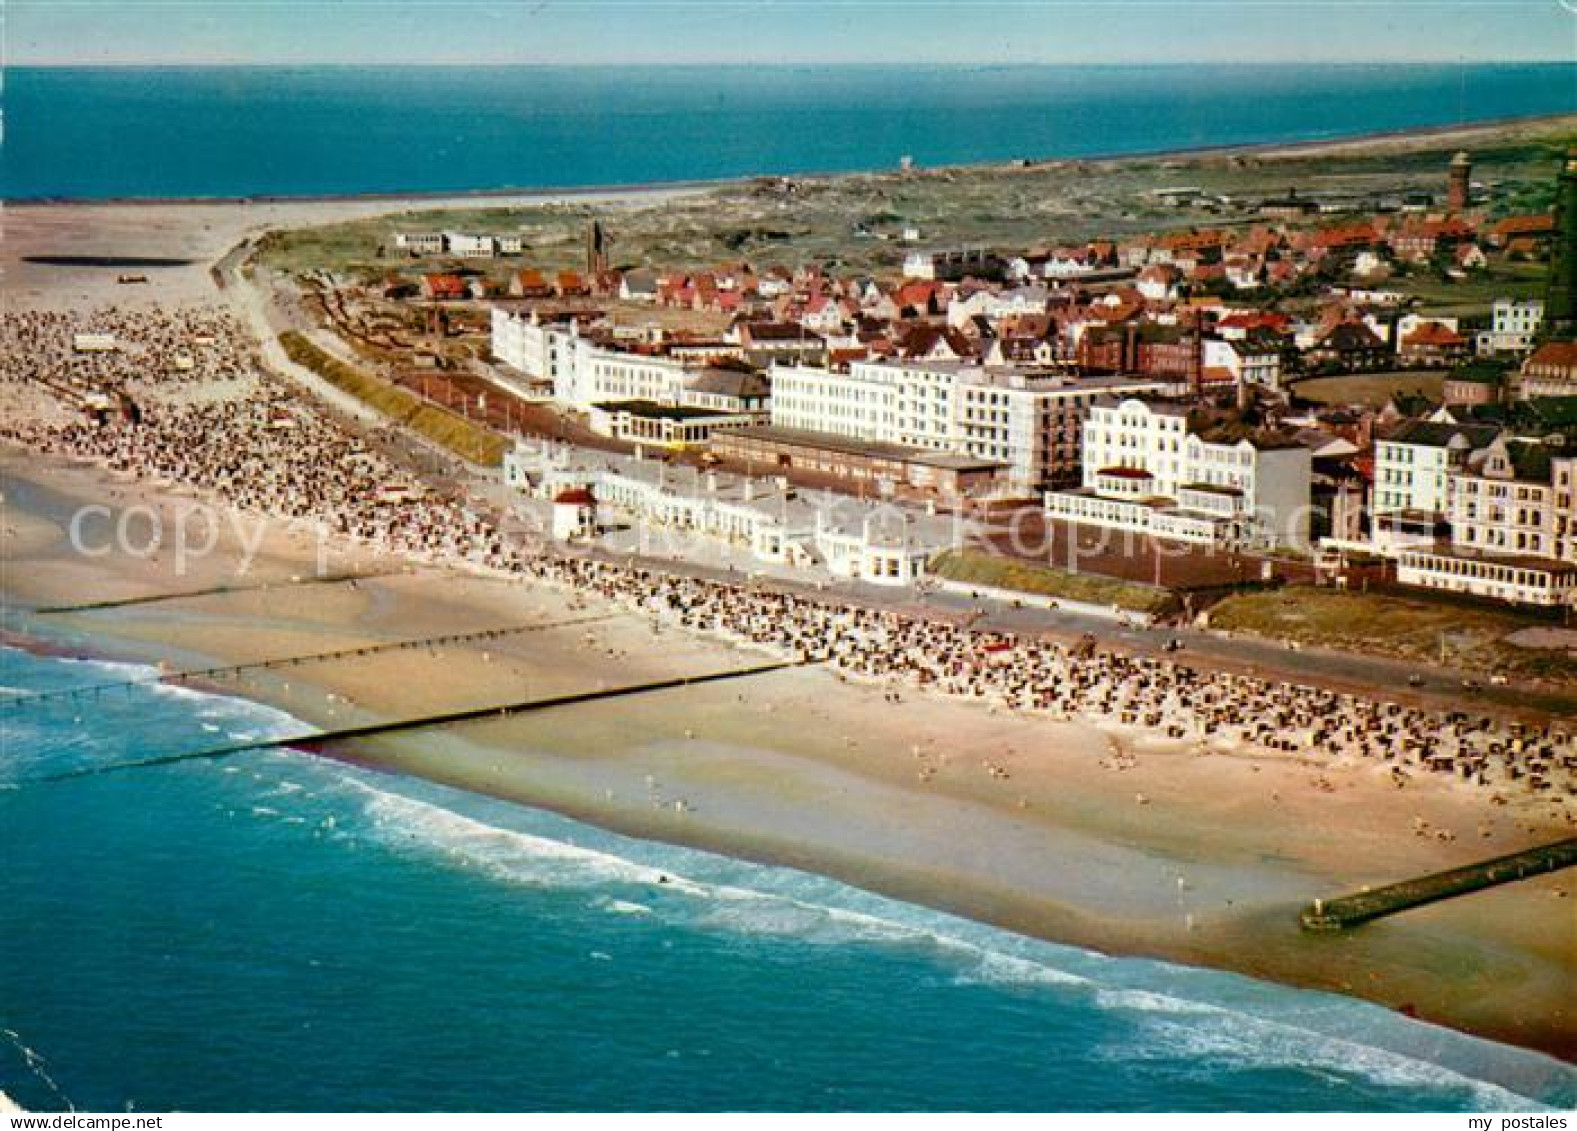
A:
x: 1458, y: 177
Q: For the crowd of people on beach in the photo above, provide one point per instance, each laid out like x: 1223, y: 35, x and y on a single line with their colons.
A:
x: 1216, y: 710
x: 269, y: 450
x: 115, y: 350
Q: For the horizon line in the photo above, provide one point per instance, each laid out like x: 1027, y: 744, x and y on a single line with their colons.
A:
x: 953, y: 64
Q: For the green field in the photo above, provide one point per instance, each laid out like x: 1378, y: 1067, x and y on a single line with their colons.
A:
x: 971, y: 567
x: 1473, y: 295
x: 471, y: 442
x: 1473, y: 638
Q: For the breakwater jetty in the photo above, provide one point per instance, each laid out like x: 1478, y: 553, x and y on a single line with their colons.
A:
x: 1363, y: 907
x: 224, y: 672
x: 316, y: 740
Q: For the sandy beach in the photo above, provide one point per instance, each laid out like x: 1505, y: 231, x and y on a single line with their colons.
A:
x: 203, y: 232
x: 1215, y: 853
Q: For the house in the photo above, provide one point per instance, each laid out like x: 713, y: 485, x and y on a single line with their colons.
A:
x: 638, y: 285
x: 1550, y: 371
x: 953, y: 266
x: 1537, y: 228
x: 925, y: 342
x: 1253, y: 359
x: 1159, y: 282
x: 1423, y: 239
x: 919, y: 298
x: 1470, y: 257
x: 529, y: 283
x: 1510, y: 509
x: 467, y: 246
x: 421, y: 243
x: 569, y: 284
x: 1412, y: 464
x: 1348, y: 345
x: 1433, y: 343
x: 768, y: 343
x: 1513, y: 325
x: 742, y: 392
x: 443, y: 286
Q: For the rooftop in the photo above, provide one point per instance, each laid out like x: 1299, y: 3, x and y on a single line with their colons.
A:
x: 826, y: 441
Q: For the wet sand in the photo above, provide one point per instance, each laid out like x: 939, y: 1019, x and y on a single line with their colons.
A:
x: 802, y: 768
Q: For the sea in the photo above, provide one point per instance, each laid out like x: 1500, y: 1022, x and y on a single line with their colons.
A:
x: 112, y: 132
x: 277, y: 931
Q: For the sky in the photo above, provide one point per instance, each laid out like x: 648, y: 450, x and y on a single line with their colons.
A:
x: 754, y: 32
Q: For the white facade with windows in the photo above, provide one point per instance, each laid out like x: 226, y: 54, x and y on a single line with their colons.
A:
x: 1147, y: 470
x: 1530, y: 581
x: 1412, y: 472
x: 813, y: 399
x: 582, y: 372
x: 467, y: 246
x: 1026, y: 419
x: 1512, y: 538
x: 872, y: 542
x: 1514, y: 323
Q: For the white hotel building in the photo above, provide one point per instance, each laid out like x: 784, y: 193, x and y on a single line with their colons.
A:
x: 1513, y: 533
x: 1025, y: 419
x: 582, y: 372
x: 1413, y: 465
x: 1148, y: 469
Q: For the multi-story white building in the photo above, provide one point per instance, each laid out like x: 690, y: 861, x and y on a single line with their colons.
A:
x: 1514, y: 324
x: 583, y: 372
x: 1412, y: 468
x: 1024, y: 418
x: 468, y: 246
x: 1515, y: 497
x: 1151, y: 468
x: 1250, y: 359
x: 538, y: 348
x: 811, y: 399
x: 1511, y: 516
x: 421, y: 243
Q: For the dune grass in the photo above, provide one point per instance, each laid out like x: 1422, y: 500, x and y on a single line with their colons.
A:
x: 1425, y: 631
x: 972, y: 567
x: 471, y: 442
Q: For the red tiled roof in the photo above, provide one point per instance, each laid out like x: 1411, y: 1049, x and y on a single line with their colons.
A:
x: 1434, y: 334
x: 1535, y: 224
x: 1562, y: 354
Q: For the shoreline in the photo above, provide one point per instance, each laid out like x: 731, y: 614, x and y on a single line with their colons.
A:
x: 505, y: 194
x: 808, y: 770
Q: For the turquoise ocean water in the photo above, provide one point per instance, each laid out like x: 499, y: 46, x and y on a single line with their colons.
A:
x: 281, y: 932
x: 112, y: 132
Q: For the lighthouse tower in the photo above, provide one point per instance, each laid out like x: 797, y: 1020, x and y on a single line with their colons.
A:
x: 1560, y: 296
